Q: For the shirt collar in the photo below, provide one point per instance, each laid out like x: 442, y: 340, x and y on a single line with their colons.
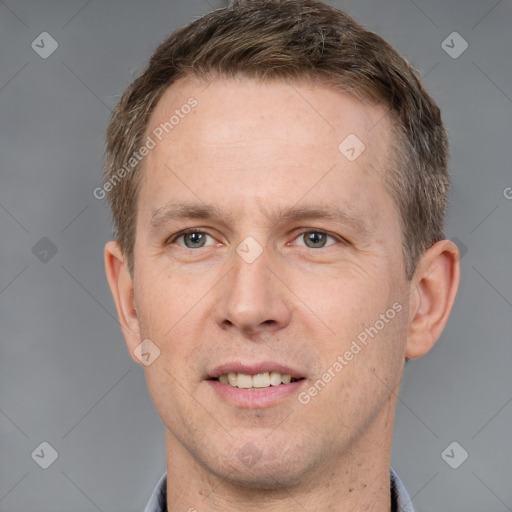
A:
x: 400, y: 500
x: 399, y: 494
x: 158, y: 500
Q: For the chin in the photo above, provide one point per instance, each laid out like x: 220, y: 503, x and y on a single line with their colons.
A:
x: 264, y: 477
x: 274, y: 467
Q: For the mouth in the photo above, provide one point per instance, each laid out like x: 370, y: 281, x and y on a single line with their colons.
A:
x: 261, y: 385
x: 261, y: 380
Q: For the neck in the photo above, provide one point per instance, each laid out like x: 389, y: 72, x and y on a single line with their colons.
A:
x: 354, y: 480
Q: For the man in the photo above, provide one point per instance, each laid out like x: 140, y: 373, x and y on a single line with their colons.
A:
x: 278, y: 182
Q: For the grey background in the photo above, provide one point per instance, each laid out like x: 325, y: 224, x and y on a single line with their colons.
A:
x: 65, y: 374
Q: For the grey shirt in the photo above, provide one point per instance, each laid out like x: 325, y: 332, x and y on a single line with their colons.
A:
x: 400, y: 501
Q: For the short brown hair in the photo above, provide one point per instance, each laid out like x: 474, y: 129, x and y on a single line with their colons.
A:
x: 294, y: 40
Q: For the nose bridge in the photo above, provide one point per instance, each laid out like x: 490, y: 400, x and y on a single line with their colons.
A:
x: 252, y: 296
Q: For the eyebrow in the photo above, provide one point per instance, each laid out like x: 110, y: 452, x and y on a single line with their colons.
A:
x: 173, y: 211
x: 160, y: 217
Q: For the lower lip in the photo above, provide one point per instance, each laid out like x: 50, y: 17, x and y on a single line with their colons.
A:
x: 255, y: 398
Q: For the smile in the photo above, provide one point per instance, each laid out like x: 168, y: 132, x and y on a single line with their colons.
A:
x: 257, y: 381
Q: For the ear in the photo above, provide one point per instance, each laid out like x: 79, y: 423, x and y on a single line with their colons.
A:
x: 121, y: 286
x: 434, y: 287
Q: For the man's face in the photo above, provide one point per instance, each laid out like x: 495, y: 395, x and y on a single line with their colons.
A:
x: 257, y: 290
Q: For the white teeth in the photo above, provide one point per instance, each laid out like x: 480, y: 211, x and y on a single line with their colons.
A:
x: 275, y: 378
x: 243, y: 381
x: 260, y: 380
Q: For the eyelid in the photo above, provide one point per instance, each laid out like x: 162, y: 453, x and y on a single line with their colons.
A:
x: 319, y: 230
x: 186, y: 231
x: 300, y: 232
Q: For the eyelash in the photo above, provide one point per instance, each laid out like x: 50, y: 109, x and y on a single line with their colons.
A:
x: 175, y: 237
x: 199, y: 230
x: 322, y: 231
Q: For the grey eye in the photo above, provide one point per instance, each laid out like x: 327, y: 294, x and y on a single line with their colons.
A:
x: 315, y: 239
x: 193, y: 239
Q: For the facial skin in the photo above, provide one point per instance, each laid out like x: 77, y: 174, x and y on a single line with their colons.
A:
x: 254, y: 150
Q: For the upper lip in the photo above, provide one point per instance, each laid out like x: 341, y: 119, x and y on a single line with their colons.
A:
x: 253, y: 369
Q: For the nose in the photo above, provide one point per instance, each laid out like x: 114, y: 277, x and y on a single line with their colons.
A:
x: 253, y: 297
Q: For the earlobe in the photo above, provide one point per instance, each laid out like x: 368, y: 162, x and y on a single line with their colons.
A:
x: 121, y: 285
x: 434, y: 287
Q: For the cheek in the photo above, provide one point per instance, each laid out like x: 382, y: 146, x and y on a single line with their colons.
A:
x: 347, y: 302
x: 165, y: 301
x: 361, y: 368
x: 170, y: 397
x: 168, y: 316
x: 366, y: 324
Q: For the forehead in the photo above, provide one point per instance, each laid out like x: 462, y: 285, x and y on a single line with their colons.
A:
x: 229, y: 108
x: 273, y: 137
